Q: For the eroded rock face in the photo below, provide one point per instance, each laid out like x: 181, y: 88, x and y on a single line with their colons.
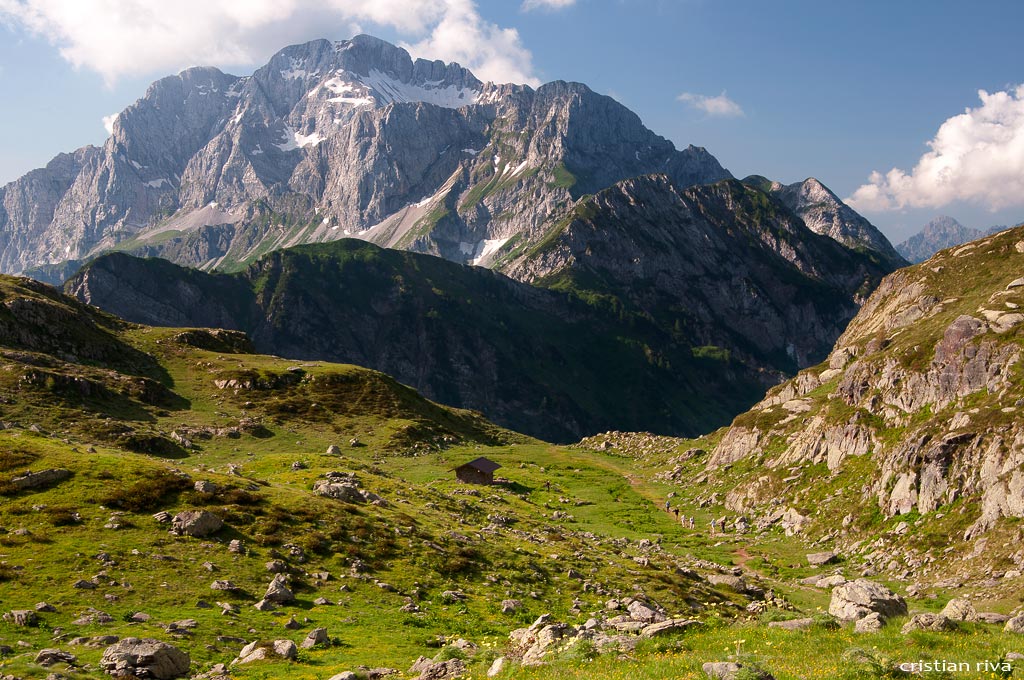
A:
x: 145, y: 658
x: 856, y: 599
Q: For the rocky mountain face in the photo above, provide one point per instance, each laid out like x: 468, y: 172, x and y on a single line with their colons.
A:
x: 332, y: 139
x: 540, y: 361
x: 941, y: 233
x: 823, y: 213
x: 910, y: 431
x: 726, y: 265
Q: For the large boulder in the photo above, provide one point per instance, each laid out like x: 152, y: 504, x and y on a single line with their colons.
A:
x: 820, y: 558
x: 1015, y: 625
x: 198, y: 523
x: 146, y: 658
x: 856, y: 599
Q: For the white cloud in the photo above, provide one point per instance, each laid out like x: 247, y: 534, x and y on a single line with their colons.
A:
x: 491, y: 52
x: 119, y: 38
x: 977, y: 156
x: 108, y: 123
x: 529, y: 5
x: 718, y: 107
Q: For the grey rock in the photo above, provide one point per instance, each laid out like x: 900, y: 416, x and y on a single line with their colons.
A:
x: 49, y: 657
x: 22, y: 617
x: 932, y: 622
x: 857, y: 599
x: 317, y: 636
x: 278, y: 591
x: 443, y: 670
x: 345, y: 675
x: 792, y: 624
x: 728, y: 670
x: 668, y: 627
x: 35, y: 480
x: 1015, y: 625
x: 145, y: 658
x: 959, y: 610
x: 197, y: 523
x: 872, y: 623
x: 820, y: 558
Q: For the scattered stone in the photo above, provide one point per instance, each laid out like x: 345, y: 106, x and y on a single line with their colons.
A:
x: 872, y: 623
x: 959, y: 609
x: 264, y: 606
x: 197, y: 523
x: 857, y: 599
x: 49, y: 657
x: 321, y: 601
x: 285, y: 649
x: 333, y: 450
x: 727, y: 670
x: 933, y: 622
x: 45, y: 607
x: 344, y: 675
x: 668, y: 627
x: 22, y: 617
x: 443, y: 670
x: 140, y: 617
x: 204, y: 486
x: 163, y: 517
x: 497, y: 667
x: 819, y: 559
x: 1015, y: 625
x: 235, y: 546
x: 82, y: 584
x: 992, y: 617
x: 792, y: 624
x: 317, y: 636
x: 511, y: 606
x: 34, y: 480
x: 735, y: 583
x: 292, y: 624
x: 278, y: 591
x: 831, y: 581
x: 221, y: 584
x: 276, y: 567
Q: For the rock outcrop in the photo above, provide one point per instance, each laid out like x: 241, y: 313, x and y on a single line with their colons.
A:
x: 145, y: 658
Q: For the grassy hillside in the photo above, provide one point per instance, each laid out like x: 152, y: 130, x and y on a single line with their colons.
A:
x: 139, y: 415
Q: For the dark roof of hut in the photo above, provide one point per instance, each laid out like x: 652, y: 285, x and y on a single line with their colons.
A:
x: 481, y: 464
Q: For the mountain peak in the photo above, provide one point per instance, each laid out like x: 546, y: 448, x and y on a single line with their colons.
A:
x: 940, y: 233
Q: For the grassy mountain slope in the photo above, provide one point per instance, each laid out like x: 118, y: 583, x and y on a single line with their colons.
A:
x: 542, y: 362
x: 138, y: 415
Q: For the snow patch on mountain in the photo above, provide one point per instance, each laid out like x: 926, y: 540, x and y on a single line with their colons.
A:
x: 296, y: 140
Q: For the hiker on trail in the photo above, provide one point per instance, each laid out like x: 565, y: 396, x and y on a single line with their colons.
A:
x: 682, y: 521
x: 667, y: 504
x: 547, y: 485
x: 676, y: 511
x: 691, y: 522
x: 712, y: 526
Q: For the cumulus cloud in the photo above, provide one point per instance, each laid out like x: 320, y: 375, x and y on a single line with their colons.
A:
x: 547, y: 4
x: 977, y: 156
x: 119, y: 38
x: 491, y: 52
x: 108, y: 123
x: 718, y: 107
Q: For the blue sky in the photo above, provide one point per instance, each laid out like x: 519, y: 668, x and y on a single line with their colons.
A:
x: 831, y: 90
